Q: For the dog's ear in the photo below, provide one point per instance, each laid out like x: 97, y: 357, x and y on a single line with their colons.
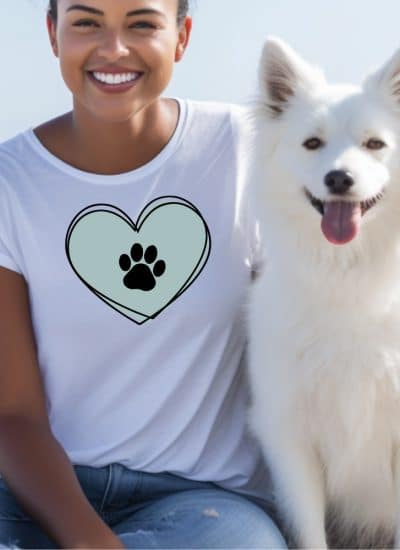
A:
x: 386, y: 81
x: 284, y: 75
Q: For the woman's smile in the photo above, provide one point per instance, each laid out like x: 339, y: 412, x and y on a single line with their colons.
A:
x: 117, y: 80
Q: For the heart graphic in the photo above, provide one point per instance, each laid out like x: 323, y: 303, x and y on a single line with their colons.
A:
x: 139, y: 269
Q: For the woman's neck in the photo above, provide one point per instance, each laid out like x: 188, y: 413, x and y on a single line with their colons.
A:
x: 101, y: 147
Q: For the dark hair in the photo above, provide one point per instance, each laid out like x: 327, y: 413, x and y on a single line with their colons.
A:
x: 183, y: 8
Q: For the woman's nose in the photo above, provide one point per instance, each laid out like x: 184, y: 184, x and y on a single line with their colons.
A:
x: 112, y: 46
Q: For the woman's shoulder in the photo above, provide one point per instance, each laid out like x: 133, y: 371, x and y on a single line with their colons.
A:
x: 212, y: 117
x: 217, y: 109
x: 12, y: 145
x: 19, y: 144
x: 13, y: 155
x: 20, y: 162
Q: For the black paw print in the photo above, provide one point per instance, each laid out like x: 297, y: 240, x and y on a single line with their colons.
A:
x: 141, y: 276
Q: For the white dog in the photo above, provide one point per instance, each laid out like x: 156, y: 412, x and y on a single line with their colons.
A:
x: 324, y: 315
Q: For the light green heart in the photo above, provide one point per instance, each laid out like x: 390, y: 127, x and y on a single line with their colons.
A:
x: 100, y: 234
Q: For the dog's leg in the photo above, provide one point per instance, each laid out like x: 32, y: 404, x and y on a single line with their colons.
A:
x: 300, y: 489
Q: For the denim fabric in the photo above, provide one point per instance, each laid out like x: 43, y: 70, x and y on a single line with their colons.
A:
x: 154, y: 511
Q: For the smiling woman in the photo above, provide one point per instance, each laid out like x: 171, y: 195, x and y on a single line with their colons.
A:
x: 126, y: 252
x: 137, y: 42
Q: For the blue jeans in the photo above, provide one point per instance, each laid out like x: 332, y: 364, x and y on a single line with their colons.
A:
x: 154, y: 511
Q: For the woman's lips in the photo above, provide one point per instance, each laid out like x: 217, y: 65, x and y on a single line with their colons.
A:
x: 114, y: 88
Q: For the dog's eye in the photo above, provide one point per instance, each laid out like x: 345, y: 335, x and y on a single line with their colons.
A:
x: 313, y: 143
x: 375, y: 144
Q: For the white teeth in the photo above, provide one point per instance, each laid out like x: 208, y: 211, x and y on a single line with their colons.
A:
x: 115, y: 78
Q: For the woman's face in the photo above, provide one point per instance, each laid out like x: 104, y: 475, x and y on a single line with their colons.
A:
x: 117, y: 56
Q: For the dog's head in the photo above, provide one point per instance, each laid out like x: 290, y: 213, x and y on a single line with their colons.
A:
x: 336, y: 147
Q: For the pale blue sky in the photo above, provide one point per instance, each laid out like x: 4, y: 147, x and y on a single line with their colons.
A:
x: 346, y: 37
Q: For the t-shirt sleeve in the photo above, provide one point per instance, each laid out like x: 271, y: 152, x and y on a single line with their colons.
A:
x: 8, y: 256
x: 6, y: 259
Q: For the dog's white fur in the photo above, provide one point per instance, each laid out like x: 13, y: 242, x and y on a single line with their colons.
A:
x: 324, y: 320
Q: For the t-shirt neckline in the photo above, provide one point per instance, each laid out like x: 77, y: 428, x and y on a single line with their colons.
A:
x: 124, y: 177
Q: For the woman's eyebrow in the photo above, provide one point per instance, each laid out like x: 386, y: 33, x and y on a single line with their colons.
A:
x: 95, y: 11
x: 85, y: 8
x: 145, y: 11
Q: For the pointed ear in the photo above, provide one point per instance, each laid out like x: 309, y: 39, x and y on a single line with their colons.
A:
x: 284, y: 75
x: 386, y: 82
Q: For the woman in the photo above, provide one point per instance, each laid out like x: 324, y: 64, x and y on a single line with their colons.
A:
x: 125, y: 256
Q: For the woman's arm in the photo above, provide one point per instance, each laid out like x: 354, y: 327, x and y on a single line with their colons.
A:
x: 32, y: 462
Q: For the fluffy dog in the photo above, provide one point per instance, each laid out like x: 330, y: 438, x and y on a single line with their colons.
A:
x: 324, y: 315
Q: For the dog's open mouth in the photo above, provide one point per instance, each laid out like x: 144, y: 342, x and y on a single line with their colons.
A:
x: 341, y: 220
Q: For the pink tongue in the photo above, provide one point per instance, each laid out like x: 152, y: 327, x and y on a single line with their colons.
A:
x: 341, y: 221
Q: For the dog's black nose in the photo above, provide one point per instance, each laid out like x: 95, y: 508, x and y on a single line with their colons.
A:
x: 339, y: 181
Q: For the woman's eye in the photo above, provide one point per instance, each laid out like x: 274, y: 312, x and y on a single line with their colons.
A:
x: 142, y: 25
x: 85, y: 23
x: 313, y: 143
x: 375, y: 144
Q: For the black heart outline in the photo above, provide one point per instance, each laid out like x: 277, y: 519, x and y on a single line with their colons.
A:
x: 104, y: 207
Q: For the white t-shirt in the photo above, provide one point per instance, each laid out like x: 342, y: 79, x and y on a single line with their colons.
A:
x: 137, y: 287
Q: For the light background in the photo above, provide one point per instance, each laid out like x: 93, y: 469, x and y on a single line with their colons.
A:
x: 346, y: 37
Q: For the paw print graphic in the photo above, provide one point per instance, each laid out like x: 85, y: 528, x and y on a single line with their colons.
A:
x: 141, y: 275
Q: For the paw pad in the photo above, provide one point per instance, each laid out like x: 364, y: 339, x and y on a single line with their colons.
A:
x: 141, y: 275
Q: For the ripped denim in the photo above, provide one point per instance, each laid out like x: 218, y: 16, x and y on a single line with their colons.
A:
x: 154, y: 511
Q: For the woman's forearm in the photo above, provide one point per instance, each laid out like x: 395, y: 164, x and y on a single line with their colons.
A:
x: 42, y: 479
